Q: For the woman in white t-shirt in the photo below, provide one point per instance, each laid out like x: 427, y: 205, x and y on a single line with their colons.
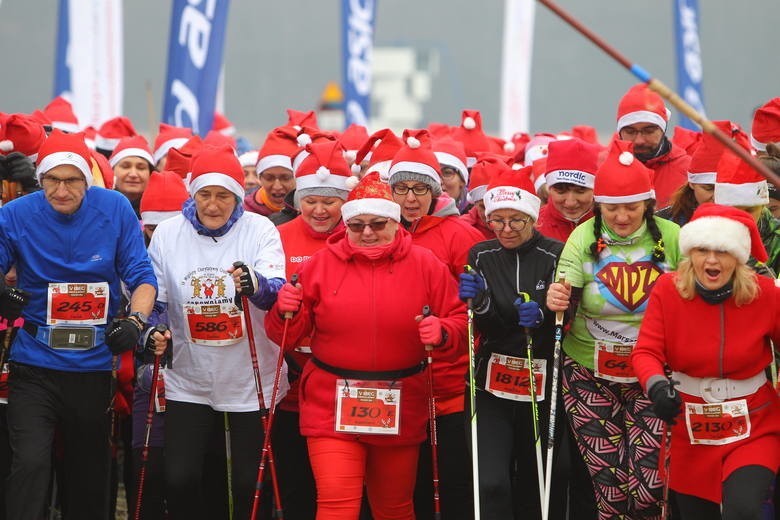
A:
x: 211, y: 373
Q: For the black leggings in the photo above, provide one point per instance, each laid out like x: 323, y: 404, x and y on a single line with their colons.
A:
x: 745, y: 493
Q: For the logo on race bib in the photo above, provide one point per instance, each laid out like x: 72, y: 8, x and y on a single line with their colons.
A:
x: 629, y: 284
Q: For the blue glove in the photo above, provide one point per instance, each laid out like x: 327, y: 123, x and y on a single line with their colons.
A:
x: 472, y: 286
x: 528, y: 313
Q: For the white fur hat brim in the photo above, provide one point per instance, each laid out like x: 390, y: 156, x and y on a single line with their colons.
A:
x: 371, y: 206
x: 511, y: 197
x: 717, y: 234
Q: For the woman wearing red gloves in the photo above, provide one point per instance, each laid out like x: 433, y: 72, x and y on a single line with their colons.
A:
x: 725, y: 448
x: 363, y: 395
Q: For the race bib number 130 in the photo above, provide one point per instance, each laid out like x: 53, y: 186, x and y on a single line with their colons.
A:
x: 368, y: 406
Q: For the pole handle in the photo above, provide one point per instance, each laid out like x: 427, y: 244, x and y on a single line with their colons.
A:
x: 293, y: 281
x: 559, y: 314
x: 426, y: 311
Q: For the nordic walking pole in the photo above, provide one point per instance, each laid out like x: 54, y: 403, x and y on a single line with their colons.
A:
x: 553, y: 406
x: 426, y: 311
x: 665, y: 452
x: 162, y: 329
x: 473, y: 403
x: 665, y: 92
x: 534, y: 407
x: 265, y: 453
x: 261, y: 403
x: 228, y: 465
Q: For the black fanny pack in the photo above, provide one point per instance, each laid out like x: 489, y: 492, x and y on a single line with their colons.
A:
x: 390, y: 375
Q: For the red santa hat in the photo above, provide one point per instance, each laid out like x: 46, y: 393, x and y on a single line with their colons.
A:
x: 586, y: 133
x: 487, y: 165
x: 62, y: 148
x: 217, y: 139
x: 324, y: 172
x: 307, y: 135
x: 379, y: 150
x: 439, y: 130
x: 100, y: 165
x: 223, y: 125
x: 622, y: 178
x: 280, y: 146
x: 249, y: 158
x: 450, y: 152
x: 415, y: 161
x: 738, y: 184
x: 686, y: 139
x: 112, y: 131
x: 163, y: 197
x: 90, y: 133
x: 40, y: 117
x: 705, y: 160
x: 135, y: 146
x: 169, y: 136
x: 723, y: 228
x: 352, y: 139
x: 511, y: 189
x: 766, y: 125
x: 642, y: 105
x: 217, y: 166
x: 298, y: 119
x: 536, y: 150
x: 22, y: 134
x: 371, y: 196
x: 572, y: 161
x: 472, y: 136
x: 60, y: 112
x: 178, y: 162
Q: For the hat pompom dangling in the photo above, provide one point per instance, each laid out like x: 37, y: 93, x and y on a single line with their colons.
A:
x: 626, y: 158
x: 413, y: 142
x: 352, y: 181
x: 469, y: 123
x: 322, y: 173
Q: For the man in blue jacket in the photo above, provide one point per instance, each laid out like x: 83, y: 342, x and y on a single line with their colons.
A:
x: 72, y: 246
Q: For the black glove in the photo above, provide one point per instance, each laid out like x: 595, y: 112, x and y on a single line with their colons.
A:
x: 21, y: 170
x: 122, y: 335
x: 667, y: 403
x: 3, y: 167
x: 12, y: 301
x: 248, y: 279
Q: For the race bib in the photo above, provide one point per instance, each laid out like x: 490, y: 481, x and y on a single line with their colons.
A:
x: 613, y: 362
x: 77, y: 303
x: 508, y: 377
x: 717, y: 424
x: 214, y: 325
x: 368, y: 406
x: 159, y: 395
x: 4, y: 384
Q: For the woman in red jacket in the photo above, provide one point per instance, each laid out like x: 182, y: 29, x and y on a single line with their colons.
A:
x: 725, y: 447
x: 319, y: 199
x: 363, y: 395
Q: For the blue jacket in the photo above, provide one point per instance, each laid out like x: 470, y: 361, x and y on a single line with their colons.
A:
x: 100, y: 242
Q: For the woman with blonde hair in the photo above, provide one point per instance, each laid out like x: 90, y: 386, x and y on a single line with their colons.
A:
x: 725, y: 415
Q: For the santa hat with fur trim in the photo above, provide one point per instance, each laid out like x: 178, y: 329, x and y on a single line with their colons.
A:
x: 688, y: 140
x: 371, y: 196
x: 169, y: 136
x: 536, y: 150
x: 60, y: 113
x: 450, y: 152
x: 472, y: 136
x: 163, y: 197
x: 22, y: 134
x: 217, y: 167
x: 324, y: 172
x: 572, y: 161
x: 112, y: 131
x: 223, y: 125
x: 737, y: 184
x: 723, y: 228
x: 766, y: 125
x: 511, y: 189
x: 415, y: 161
x: 62, y: 148
x: 705, y: 160
x: 135, y: 146
x: 352, y: 139
x: 298, y: 119
x: 487, y: 165
x: 642, y: 105
x: 280, y: 146
x: 379, y: 151
x: 622, y: 178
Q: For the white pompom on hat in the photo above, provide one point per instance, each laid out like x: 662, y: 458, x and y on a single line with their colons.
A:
x: 622, y: 178
x: 723, y: 228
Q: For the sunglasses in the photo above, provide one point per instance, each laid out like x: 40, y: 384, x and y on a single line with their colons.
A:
x: 358, y: 227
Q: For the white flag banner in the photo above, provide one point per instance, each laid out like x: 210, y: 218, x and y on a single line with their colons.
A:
x: 91, y: 76
x: 517, y: 54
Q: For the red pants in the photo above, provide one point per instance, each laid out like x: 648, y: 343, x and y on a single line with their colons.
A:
x: 341, y: 467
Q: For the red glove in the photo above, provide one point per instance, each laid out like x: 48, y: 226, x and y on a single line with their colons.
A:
x: 289, y: 298
x: 430, y: 330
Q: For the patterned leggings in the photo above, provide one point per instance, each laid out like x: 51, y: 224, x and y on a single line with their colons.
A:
x: 619, y: 438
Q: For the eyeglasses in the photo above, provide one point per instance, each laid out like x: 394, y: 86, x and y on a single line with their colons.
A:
x: 648, y: 131
x: 54, y: 182
x: 359, y: 227
x: 515, y: 224
x: 273, y: 178
x: 417, y: 189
